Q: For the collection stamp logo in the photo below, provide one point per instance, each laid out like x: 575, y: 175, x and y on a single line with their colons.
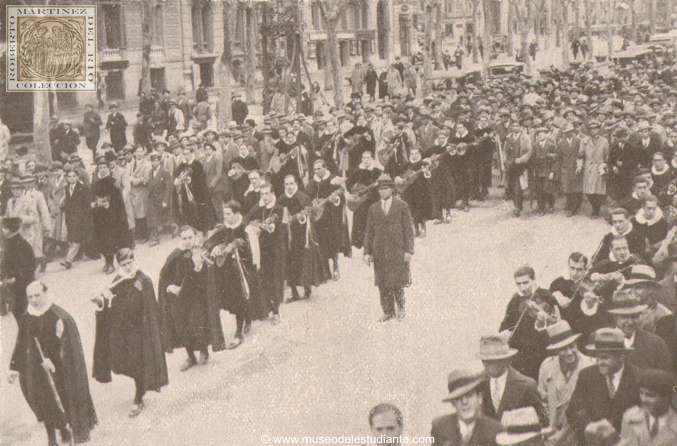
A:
x: 51, y: 48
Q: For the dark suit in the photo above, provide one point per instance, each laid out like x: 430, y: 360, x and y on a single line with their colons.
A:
x: 387, y: 238
x: 159, y: 193
x: 520, y: 391
x: 77, y: 209
x: 591, y: 401
x: 650, y: 352
x: 427, y: 136
x: 446, y: 432
x: 666, y: 328
x: 117, y: 126
x: 18, y: 262
x: 215, y: 183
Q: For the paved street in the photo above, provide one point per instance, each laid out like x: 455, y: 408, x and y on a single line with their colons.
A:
x: 329, y: 361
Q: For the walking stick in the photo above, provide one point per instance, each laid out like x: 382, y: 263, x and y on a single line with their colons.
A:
x: 50, y: 380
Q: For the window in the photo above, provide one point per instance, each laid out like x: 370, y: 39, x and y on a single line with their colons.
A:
x: 207, y: 74
x: 201, y: 17
x: 158, y: 26
x: 111, y: 29
x: 321, y: 61
x: 316, y: 16
x: 365, y: 15
x: 240, y: 26
x: 157, y: 79
x: 115, y: 88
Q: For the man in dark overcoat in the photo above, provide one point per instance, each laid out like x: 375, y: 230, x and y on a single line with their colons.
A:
x: 159, y: 197
x: 389, y: 243
x: 48, y: 348
x: 117, y: 126
x: 91, y: 127
x: 605, y: 390
x: 18, y: 265
x: 77, y: 210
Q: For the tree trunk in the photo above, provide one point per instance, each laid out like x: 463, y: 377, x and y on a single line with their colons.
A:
x: 564, y: 20
x: 225, y: 76
x: 511, y: 37
x: 588, y: 28
x: 610, y: 35
x: 147, y: 36
x: 265, y: 62
x: 633, y: 19
x: 250, y: 82
x: 333, y: 50
x: 41, y: 126
x: 525, y: 22
x: 439, y: 35
x: 487, y: 37
x: 427, y: 53
x: 652, y: 17
x: 577, y: 20
x: 475, y: 23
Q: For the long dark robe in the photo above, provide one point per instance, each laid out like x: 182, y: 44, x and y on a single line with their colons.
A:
x: 305, y: 265
x: 111, y: 231
x: 194, y: 209
x: 441, y: 182
x: 70, y: 377
x: 239, y: 186
x: 290, y: 167
x: 363, y: 177
x: 273, y: 253
x: 417, y: 194
x: 228, y: 283
x: 128, y: 338
x: 332, y: 229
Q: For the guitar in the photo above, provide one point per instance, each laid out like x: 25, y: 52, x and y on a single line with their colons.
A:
x: 409, y: 178
x: 219, y: 255
x: 317, y: 209
x: 237, y: 171
x: 277, y: 161
x: 267, y: 224
x: 359, y: 195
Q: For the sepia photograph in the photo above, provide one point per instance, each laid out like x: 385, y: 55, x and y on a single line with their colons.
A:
x: 347, y: 222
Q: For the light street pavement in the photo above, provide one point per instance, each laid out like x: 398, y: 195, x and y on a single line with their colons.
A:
x: 329, y: 361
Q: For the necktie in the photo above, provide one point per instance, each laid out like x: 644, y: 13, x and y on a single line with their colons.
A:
x: 610, y: 386
x: 653, y: 428
x: 496, y: 394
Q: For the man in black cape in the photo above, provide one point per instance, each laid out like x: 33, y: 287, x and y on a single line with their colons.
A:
x: 364, y: 177
x: 128, y: 332
x: 305, y: 266
x: 111, y: 230
x: 412, y: 181
x: 235, y: 276
x: 332, y: 227
x: 48, y: 349
x: 192, y: 203
x: 266, y: 228
x: 188, y: 304
x: 18, y: 266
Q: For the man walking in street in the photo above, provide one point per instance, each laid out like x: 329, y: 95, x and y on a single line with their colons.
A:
x: 389, y: 243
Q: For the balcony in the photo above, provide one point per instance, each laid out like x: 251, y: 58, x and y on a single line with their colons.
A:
x: 111, y: 54
x: 157, y: 54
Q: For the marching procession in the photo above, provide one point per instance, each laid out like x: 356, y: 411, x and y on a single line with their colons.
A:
x: 258, y: 207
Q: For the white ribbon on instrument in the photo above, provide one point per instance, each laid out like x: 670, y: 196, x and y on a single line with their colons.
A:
x: 253, y: 235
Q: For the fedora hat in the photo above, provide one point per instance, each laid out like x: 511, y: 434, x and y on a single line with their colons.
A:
x: 495, y: 347
x: 568, y: 127
x: 607, y: 340
x: 463, y: 381
x: 74, y: 158
x: 641, y: 274
x: 624, y: 302
x: 643, y: 125
x: 601, y: 433
x: 385, y: 180
x: 560, y: 335
x: 520, y: 425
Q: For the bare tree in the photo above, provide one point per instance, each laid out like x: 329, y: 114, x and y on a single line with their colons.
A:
x: 564, y: 20
x: 250, y: 80
x: 633, y: 19
x: 609, y: 31
x: 331, y: 11
x: 588, y: 27
x: 511, y: 24
x: 429, y: 6
x: 439, y: 34
x: 147, y: 36
x: 226, y: 74
x: 487, y: 36
x: 475, y: 25
x: 523, y: 13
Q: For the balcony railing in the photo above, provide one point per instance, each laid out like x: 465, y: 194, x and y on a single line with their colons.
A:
x: 111, y: 54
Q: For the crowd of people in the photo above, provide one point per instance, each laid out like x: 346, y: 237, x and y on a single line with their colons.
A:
x: 258, y: 207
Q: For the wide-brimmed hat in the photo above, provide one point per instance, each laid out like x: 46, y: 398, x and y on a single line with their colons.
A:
x: 624, y: 302
x: 385, y: 180
x: 74, y: 158
x: 607, y: 340
x: 463, y: 381
x: 28, y: 179
x: 520, y: 425
x: 601, y: 433
x: 643, y: 125
x: 495, y: 347
x: 57, y: 165
x: 560, y: 335
x: 642, y: 274
x: 568, y: 127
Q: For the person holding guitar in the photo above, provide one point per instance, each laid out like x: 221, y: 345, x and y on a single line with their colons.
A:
x: 441, y: 186
x: 412, y: 182
x: 332, y: 227
x: 265, y: 225
x: 362, y: 183
x: 239, y: 169
x: 305, y: 267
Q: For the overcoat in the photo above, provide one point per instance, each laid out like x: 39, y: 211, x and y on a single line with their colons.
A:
x: 139, y: 179
x: 387, y: 238
x: 446, y: 432
x: 159, y: 193
x: 594, y: 154
x: 77, y: 211
x: 571, y: 181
